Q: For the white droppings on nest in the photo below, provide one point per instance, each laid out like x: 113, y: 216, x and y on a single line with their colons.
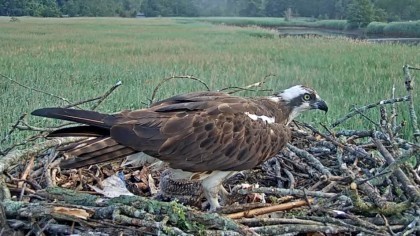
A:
x: 113, y: 186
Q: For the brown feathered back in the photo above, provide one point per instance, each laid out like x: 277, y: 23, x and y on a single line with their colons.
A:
x: 193, y: 132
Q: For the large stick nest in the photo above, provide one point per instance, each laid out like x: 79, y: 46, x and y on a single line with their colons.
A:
x: 323, y: 183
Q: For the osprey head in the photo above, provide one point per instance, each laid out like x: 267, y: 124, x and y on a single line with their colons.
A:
x: 301, y: 98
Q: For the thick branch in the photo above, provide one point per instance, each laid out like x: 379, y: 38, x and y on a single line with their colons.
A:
x: 269, y: 209
x: 367, y: 107
x: 311, y: 159
x: 409, y: 188
x: 294, y: 192
x: 409, y: 85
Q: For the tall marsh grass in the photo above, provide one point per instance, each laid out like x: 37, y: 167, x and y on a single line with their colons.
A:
x: 80, y: 58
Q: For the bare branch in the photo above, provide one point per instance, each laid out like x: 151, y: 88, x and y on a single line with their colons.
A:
x: 367, y: 107
x: 409, y: 85
x: 34, y: 89
x: 175, y: 77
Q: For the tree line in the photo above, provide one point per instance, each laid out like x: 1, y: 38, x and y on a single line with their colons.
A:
x: 380, y: 10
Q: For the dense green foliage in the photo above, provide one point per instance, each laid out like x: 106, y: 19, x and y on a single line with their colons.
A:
x: 395, y: 29
x: 358, y: 12
x: 54, y: 8
x: 376, y: 28
x: 81, y: 58
x: 410, y: 29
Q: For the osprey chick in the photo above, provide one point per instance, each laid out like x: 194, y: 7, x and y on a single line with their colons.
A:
x: 206, y: 136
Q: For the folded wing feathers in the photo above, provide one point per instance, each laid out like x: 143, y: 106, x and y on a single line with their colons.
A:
x: 82, y: 131
x: 80, y: 116
x: 195, y: 132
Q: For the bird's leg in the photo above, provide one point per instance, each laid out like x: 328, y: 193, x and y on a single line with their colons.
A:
x: 224, y: 195
x: 212, y: 185
x: 211, y: 190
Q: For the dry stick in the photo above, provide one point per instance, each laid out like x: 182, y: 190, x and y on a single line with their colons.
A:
x: 45, y: 227
x: 270, y: 209
x: 409, y: 85
x: 409, y: 188
x: 30, y: 139
x: 373, y: 195
x: 360, y: 134
x: 229, y: 209
x: 25, y: 173
x: 393, y: 112
x: 175, y: 77
x: 387, y: 224
x: 294, y: 229
x: 238, y: 89
x: 13, y: 128
x: 253, y: 222
x: 26, y: 126
x: 364, y: 108
x: 294, y: 192
x: 337, y: 222
x: 310, y: 158
x: 103, y: 97
x: 34, y: 89
x: 291, y: 178
x: 384, y: 119
x: 353, y: 219
x: 367, y: 118
x: 390, y: 168
x: 22, y: 155
x: 248, y: 87
x: 217, y: 233
x: 356, y: 152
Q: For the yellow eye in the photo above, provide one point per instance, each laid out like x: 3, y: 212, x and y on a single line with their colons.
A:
x: 306, y: 97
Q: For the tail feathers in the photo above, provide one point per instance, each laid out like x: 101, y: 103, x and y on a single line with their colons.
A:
x: 81, y: 131
x: 94, y: 151
x: 92, y: 118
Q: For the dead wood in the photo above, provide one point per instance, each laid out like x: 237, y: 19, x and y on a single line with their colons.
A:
x: 269, y: 209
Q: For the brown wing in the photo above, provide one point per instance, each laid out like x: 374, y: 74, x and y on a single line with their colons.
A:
x: 202, y: 134
x: 193, y: 132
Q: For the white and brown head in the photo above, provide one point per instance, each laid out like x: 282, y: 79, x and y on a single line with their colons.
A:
x: 300, y: 98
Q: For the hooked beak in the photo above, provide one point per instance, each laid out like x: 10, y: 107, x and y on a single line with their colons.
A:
x: 321, y: 105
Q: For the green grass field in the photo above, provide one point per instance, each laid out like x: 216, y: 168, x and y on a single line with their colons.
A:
x: 80, y: 58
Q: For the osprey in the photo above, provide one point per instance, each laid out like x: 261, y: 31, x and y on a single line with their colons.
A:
x: 204, y: 136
